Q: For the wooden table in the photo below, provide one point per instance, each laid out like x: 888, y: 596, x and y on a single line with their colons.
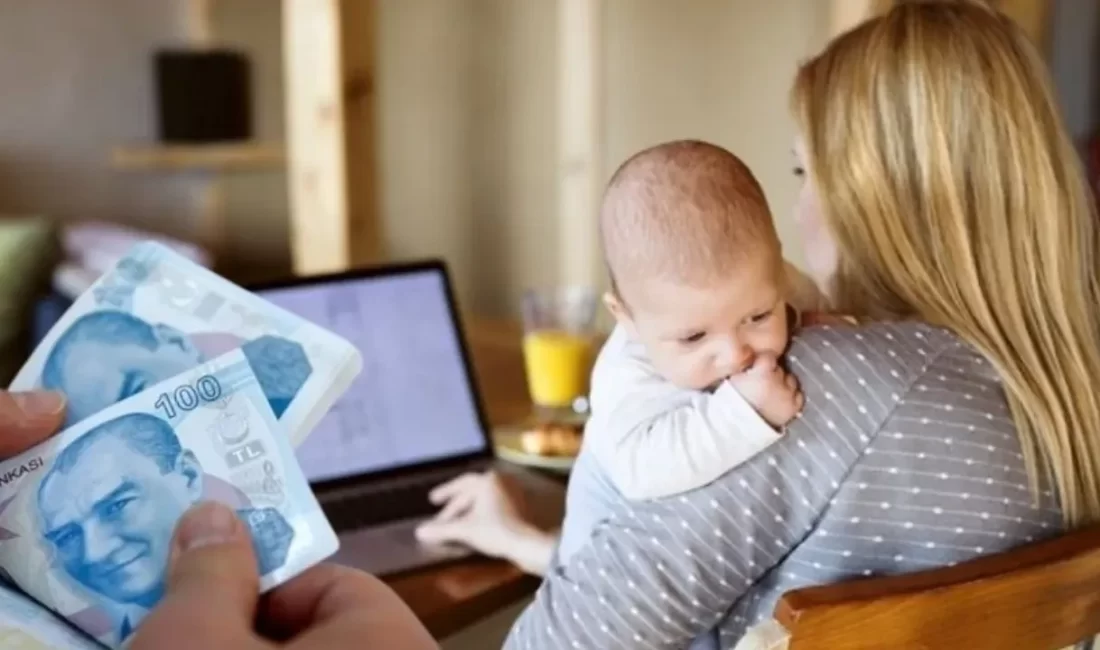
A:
x: 450, y: 597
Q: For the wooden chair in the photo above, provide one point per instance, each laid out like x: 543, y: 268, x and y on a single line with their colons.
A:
x: 1039, y: 597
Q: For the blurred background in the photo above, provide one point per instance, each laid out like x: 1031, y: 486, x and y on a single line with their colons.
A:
x: 482, y: 125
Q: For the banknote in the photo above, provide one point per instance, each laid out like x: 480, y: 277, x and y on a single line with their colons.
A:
x: 156, y: 314
x: 86, y: 518
x: 26, y: 625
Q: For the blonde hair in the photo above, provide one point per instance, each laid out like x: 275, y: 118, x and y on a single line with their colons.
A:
x: 955, y: 196
x: 687, y: 210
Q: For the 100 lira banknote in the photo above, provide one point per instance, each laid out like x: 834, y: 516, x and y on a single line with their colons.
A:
x: 157, y: 314
x: 26, y: 625
x: 86, y: 518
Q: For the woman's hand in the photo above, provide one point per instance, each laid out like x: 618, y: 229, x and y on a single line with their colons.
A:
x: 486, y: 512
x: 212, y: 599
x: 28, y: 418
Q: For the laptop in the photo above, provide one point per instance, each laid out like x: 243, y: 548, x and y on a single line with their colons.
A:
x: 411, y: 420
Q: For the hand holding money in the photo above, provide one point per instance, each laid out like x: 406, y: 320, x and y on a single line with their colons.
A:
x: 212, y: 584
x: 86, y: 518
x: 211, y: 600
x: 182, y: 388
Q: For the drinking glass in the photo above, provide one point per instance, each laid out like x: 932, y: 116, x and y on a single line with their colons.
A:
x: 559, y: 340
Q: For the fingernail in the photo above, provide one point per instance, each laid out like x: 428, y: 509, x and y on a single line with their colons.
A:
x: 39, y: 403
x: 205, y: 524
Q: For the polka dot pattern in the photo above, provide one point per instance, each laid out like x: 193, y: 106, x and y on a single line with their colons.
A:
x: 904, y: 459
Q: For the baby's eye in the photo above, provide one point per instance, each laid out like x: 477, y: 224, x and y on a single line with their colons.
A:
x: 761, y: 317
x: 799, y: 172
x: 692, y: 338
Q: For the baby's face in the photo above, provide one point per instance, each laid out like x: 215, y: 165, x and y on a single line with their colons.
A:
x: 697, y: 336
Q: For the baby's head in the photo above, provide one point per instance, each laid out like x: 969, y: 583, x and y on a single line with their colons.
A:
x: 697, y: 274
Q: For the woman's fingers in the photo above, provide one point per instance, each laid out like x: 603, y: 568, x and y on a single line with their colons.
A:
x: 457, y: 506
x: 446, y: 491
x: 436, y: 532
x: 28, y: 418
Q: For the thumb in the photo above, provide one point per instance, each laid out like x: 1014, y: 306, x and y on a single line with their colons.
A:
x: 764, y: 363
x: 212, y: 586
x: 28, y: 418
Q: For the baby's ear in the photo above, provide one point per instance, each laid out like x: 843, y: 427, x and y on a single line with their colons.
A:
x: 619, y: 311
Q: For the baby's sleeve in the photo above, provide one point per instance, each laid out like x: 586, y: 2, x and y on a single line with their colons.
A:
x: 654, y: 439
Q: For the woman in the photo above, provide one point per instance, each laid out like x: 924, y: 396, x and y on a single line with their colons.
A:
x: 945, y: 208
x: 979, y: 220
x: 984, y: 304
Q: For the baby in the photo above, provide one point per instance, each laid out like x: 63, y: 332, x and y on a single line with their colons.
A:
x: 689, y: 384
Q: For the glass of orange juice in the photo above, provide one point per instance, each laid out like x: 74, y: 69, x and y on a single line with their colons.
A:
x: 559, y: 340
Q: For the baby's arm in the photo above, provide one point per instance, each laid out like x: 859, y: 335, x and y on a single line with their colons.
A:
x: 656, y: 440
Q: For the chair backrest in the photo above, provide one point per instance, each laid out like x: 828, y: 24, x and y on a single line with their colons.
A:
x: 1042, y: 596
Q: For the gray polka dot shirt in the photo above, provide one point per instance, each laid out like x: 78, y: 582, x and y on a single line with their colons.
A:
x: 904, y: 459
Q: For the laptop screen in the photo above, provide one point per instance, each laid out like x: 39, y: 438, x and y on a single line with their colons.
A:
x: 412, y: 403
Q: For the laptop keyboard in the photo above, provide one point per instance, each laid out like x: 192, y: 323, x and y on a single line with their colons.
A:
x: 405, y: 500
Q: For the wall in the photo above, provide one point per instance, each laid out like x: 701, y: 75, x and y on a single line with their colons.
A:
x: 467, y: 92
x: 77, y: 80
x: 468, y: 117
x: 1075, y: 63
x: 719, y: 72
x: 257, y: 207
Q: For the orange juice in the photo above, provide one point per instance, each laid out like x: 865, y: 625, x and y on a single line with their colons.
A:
x: 558, y: 365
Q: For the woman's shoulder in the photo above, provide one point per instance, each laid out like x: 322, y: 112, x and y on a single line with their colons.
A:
x: 909, y: 343
x: 886, y: 358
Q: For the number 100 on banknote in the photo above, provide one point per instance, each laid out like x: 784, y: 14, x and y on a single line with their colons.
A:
x: 157, y: 314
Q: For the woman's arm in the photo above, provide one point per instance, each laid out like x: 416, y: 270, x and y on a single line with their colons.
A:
x: 657, y: 574
x: 488, y: 513
x: 531, y: 549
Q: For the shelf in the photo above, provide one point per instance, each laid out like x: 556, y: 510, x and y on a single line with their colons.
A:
x: 246, y: 156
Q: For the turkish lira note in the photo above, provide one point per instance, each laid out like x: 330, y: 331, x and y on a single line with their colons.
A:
x: 157, y: 314
x: 86, y: 518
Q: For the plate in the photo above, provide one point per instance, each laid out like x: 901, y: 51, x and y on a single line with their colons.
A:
x: 506, y: 443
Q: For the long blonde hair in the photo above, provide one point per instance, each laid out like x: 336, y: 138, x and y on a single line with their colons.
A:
x: 955, y: 196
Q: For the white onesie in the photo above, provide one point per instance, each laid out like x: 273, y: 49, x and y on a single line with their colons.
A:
x: 655, y: 439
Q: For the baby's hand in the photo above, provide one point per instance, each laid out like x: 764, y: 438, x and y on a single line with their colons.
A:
x: 773, y: 392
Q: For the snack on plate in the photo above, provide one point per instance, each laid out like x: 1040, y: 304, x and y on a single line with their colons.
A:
x: 552, y: 439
